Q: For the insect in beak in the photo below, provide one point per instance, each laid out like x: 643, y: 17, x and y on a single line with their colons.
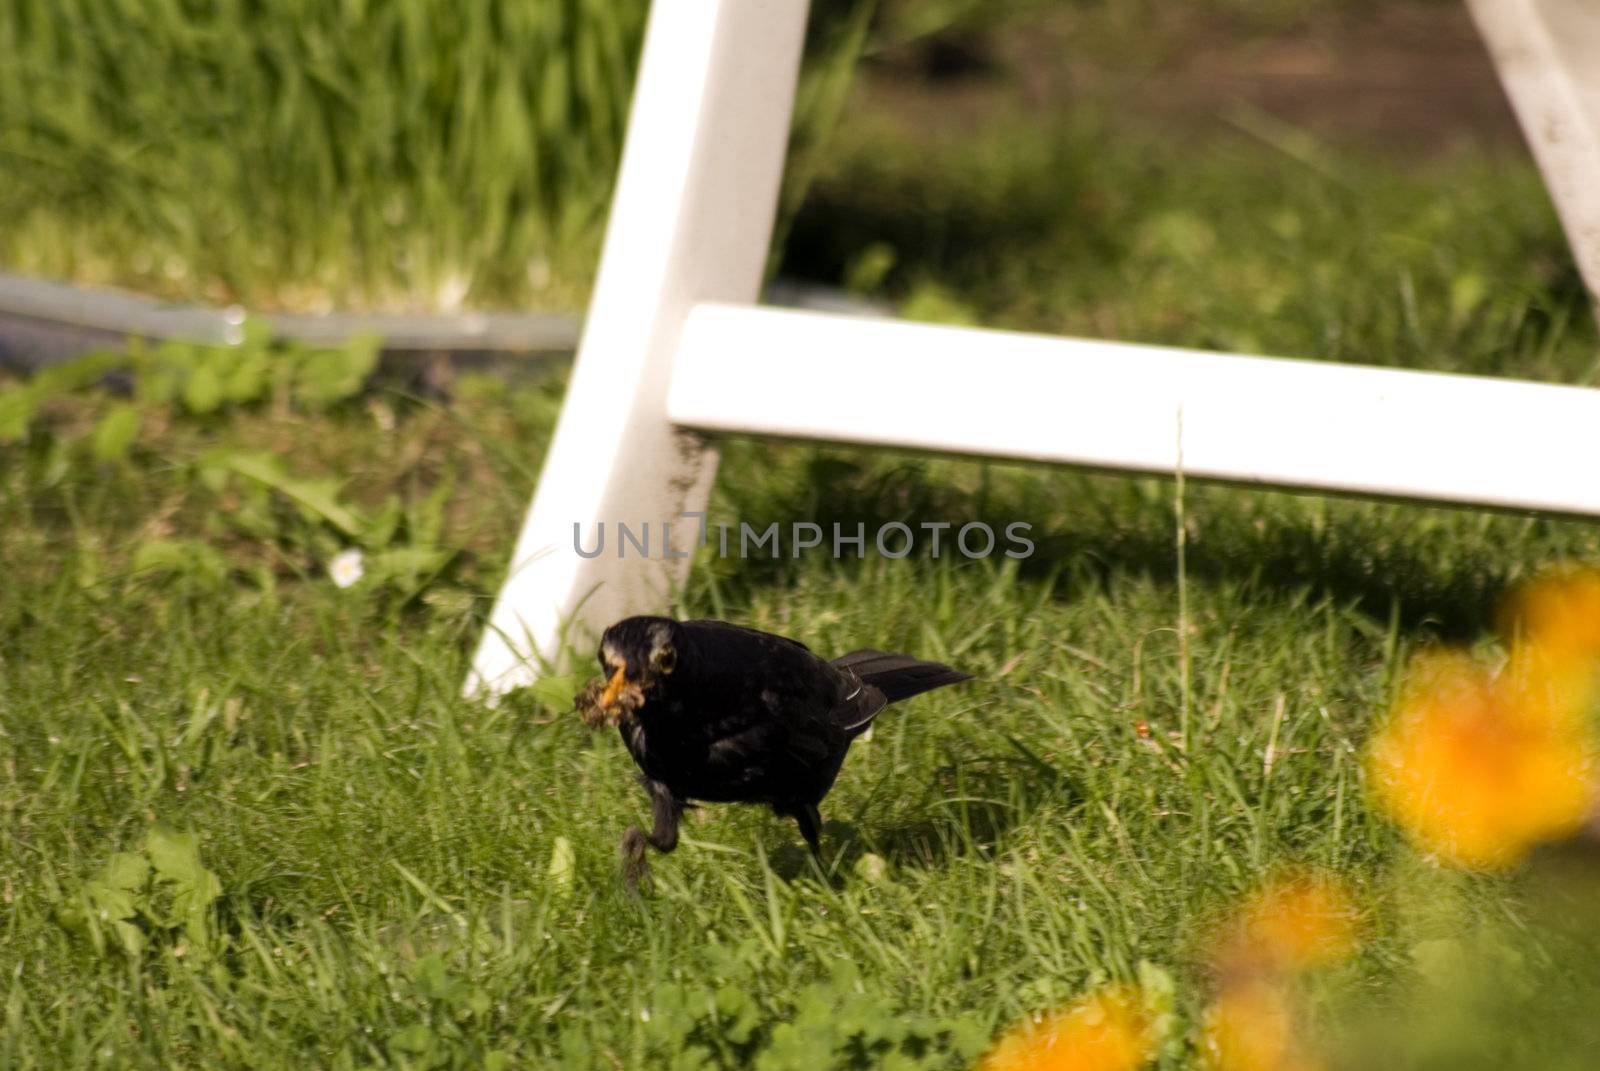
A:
x: 614, y: 686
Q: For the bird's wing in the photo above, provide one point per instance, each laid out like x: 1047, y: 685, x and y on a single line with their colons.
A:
x: 857, y: 705
x: 796, y: 686
x: 764, y: 753
x: 898, y: 676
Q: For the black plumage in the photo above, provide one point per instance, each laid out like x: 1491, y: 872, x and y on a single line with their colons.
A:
x: 719, y: 713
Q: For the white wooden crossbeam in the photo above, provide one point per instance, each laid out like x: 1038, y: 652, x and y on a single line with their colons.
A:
x: 1427, y: 436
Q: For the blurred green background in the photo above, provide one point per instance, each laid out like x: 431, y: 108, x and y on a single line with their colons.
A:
x: 1287, y: 175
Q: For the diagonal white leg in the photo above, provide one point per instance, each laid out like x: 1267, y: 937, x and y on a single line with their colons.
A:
x: 691, y: 221
x: 1547, y: 53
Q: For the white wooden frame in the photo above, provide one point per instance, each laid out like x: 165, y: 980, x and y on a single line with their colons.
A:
x: 674, y: 349
x: 1547, y: 53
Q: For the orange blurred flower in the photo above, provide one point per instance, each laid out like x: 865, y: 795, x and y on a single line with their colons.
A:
x: 1552, y: 628
x: 1108, y: 1030
x: 1297, y: 921
x: 1558, y: 614
x: 1250, y: 1027
x: 1478, y: 769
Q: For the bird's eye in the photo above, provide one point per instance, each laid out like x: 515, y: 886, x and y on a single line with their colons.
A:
x: 664, y: 661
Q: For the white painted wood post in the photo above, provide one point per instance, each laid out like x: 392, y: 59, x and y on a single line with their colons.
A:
x: 691, y: 221
x: 1547, y: 53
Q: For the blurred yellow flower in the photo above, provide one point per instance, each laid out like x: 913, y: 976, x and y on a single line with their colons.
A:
x: 1108, y: 1030
x: 1478, y: 769
x: 1552, y: 628
x: 1296, y: 921
x: 1250, y: 1027
x: 1557, y: 614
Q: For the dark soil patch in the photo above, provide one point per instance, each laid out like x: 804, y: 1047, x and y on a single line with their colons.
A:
x: 1408, y: 80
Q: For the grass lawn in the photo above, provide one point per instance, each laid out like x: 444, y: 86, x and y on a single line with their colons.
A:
x: 247, y: 821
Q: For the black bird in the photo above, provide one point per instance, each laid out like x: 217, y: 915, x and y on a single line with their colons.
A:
x: 719, y: 713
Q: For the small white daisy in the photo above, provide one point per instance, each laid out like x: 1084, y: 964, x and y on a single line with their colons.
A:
x: 346, y: 567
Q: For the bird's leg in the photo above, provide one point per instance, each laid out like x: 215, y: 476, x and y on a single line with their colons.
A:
x: 810, y: 821
x: 635, y: 867
x: 666, y: 810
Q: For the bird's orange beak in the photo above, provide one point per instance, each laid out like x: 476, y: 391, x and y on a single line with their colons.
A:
x: 614, y: 686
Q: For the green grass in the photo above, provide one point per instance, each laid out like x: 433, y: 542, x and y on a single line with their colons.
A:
x: 406, y: 879
x: 300, y: 153
x: 1077, y: 225
x: 393, y: 891
x: 303, y: 155
x: 392, y: 888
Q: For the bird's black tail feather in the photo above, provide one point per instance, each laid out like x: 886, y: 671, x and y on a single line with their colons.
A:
x: 899, y: 676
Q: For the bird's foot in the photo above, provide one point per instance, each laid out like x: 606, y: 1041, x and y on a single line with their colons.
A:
x: 635, y: 867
